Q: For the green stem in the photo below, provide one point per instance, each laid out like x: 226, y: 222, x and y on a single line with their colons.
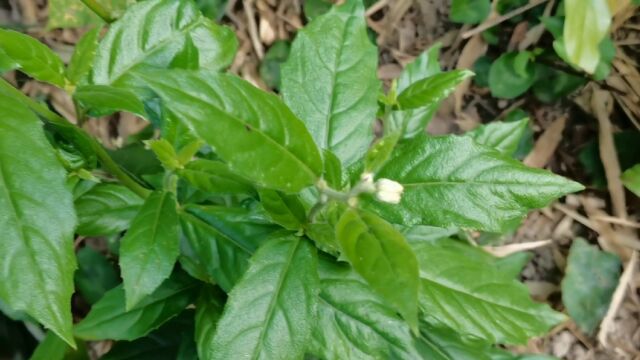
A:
x: 100, y: 10
x: 102, y: 154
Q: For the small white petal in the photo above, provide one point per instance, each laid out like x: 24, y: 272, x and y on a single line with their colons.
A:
x: 389, y: 185
x: 390, y: 197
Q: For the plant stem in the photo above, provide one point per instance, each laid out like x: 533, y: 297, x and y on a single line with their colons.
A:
x: 99, y: 10
x: 101, y: 153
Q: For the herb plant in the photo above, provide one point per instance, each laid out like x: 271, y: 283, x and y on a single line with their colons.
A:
x: 262, y: 226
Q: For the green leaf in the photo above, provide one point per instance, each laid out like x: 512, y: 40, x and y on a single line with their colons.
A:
x: 173, y: 340
x: 54, y: 348
x: 83, y: 55
x: 442, y: 343
x: 285, y: 210
x: 508, y: 79
x: 106, y: 209
x: 380, y: 152
x: 36, y: 222
x: 102, y: 100
x: 631, y: 179
x: 208, y: 311
x: 270, y: 67
x: 431, y: 90
x: 314, y: 8
x: 108, y: 318
x: 330, y: 81
x: 469, y: 11
x: 270, y: 312
x: 95, y: 275
x: 153, y: 33
x: 165, y: 153
x: 33, y: 57
x: 6, y: 63
x: 471, y: 295
x: 150, y: 248
x: 214, y: 177
x: 586, y: 24
x: 412, y: 122
x: 590, y: 279
x: 332, y: 170
x: 421, y: 233
x: 354, y: 322
x: 222, y: 239
x: 502, y: 136
x: 464, y: 184
x: 263, y: 141
x: 75, y: 14
x: 552, y: 85
x: 380, y: 254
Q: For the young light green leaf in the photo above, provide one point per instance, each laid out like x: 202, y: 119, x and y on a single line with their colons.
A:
x: 214, y: 177
x: 83, y: 54
x: 380, y: 152
x: 380, y: 254
x: 154, y: 32
x: 470, y: 295
x: 208, y: 311
x: 75, y: 14
x: 464, y: 184
x: 590, y: 280
x: 270, y: 312
x: 586, y: 24
x: 469, y: 11
x: 412, y: 122
x: 263, y: 141
x: 108, y: 318
x: 332, y: 170
x: 165, y: 153
x: 285, y: 210
x: 33, y: 57
x: 506, y: 81
x: 106, y: 209
x: 431, y: 90
x: 54, y: 348
x: 502, y: 136
x: 330, y: 81
x: 102, y: 100
x: 222, y: 239
x: 354, y: 322
x: 37, y: 220
x: 95, y: 275
x: 150, y: 247
x: 6, y: 63
x: 631, y: 179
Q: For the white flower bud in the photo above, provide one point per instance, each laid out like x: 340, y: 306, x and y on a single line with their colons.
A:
x: 389, y: 191
x: 366, y: 183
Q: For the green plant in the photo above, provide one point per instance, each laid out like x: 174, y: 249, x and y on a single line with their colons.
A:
x: 275, y: 217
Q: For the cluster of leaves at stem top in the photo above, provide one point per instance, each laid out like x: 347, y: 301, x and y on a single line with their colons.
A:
x: 268, y: 213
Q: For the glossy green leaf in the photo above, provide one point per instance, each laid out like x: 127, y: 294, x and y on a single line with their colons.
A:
x: 285, y: 210
x: 174, y: 340
x: 74, y: 13
x: 590, y: 279
x: 270, y: 312
x: 83, y: 55
x: 380, y: 152
x: 102, y: 100
x: 33, y: 57
x: 222, y: 239
x: 95, y: 275
x: 330, y: 81
x: 464, y: 184
x: 442, y: 343
x: 263, y: 141
x: 150, y: 247
x: 471, y: 295
x: 380, y: 254
x: 54, y: 348
x: 354, y: 322
x: 36, y: 222
x: 165, y: 153
x: 431, y: 90
x: 106, y: 209
x: 469, y: 11
x: 214, y: 177
x: 631, y: 179
x: 153, y: 33
x: 108, y: 318
x: 208, y: 311
x: 507, y: 79
x: 422, y: 233
x: 502, y: 136
x: 412, y: 122
x: 586, y: 24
